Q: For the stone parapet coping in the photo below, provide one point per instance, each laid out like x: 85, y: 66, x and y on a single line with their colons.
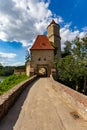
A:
x: 8, y: 98
x: 76, y: 99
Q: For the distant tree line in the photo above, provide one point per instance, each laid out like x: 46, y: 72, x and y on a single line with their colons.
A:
x: 9, y: 70
x: 72, y: 67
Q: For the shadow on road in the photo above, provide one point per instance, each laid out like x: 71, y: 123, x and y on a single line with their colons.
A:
x: 8, y: 122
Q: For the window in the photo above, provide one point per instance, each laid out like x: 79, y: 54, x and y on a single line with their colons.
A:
x: 44, y: 59
x: 39, y: 59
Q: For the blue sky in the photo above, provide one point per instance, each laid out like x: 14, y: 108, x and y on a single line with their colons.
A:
x: 21, y: 21
x: 71, y: 11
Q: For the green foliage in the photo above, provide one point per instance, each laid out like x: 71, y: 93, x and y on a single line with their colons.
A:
x: 20, y: 67
x: 80, y: 48
x: 11, y: 81
x: 1, y: 66
x: 72, y: 68
x: 9, y: 70
x: 27, y: 57
x: 67, y: 49
x: 6, y: 71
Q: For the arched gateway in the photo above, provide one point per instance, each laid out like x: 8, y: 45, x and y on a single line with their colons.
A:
x: 42, y: 72
x: 42, y: 56
x: 43, y: 51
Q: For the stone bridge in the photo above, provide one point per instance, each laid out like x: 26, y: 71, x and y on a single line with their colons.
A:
x: 45, y: 105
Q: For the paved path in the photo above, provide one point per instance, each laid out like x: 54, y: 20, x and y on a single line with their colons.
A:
x: 44, y: 109
x: 10, y: 119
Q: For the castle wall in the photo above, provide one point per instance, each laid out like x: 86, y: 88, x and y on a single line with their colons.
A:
x: 28, y: 68
x: 42, y: 58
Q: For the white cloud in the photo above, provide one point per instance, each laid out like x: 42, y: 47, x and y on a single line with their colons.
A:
x: 7, y: 59
x: 17, y: 64
x: 23, y: 20
x: 85, y: 29
x: 67, y: 34
x: 7, y: 55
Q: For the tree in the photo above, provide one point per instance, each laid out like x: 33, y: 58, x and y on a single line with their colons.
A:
x: 27, y: 57
x: 73, y: 66
x: 67, y: 49
x: 1, y: 66
x: 6, y: 71
x: 80, y: 53
x: 68, y: 71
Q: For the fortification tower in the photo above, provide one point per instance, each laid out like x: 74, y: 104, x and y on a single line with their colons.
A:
x: 54, y: 37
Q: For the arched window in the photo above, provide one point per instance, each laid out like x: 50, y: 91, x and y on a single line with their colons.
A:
x: 44, y: 59
x: 39, y: 59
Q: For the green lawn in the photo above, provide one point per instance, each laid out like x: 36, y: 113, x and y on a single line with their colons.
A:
x: 11, y: 81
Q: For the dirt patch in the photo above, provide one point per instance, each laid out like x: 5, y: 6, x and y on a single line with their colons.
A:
x: 75, y: 115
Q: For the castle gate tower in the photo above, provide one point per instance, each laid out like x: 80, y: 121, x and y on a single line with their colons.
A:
x: 42, y: 57
x: 54, y: 37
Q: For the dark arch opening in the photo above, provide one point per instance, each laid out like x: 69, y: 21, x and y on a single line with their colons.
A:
x: 42, y: 72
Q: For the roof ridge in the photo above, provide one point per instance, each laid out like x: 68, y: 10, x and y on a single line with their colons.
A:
x: 42, y: 43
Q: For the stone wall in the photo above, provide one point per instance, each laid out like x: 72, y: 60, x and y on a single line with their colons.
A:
x: 76, y: 99
x: 8, y: 98
x: 28, y: 68
x: 54, y: 36
x: 42, y: 58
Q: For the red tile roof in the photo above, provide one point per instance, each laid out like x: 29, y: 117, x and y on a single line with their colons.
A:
x: 42, y: 43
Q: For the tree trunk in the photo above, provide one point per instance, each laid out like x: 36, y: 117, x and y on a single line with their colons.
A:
x: 85, y: 84
x: 77, y: 85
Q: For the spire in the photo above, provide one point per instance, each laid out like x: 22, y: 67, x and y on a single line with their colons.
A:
x: 52, y: 22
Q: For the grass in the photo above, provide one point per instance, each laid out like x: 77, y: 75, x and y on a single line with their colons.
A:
x: 11, y: 81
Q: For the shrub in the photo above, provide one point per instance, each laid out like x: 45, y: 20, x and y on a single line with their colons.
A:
x: 11, y: 81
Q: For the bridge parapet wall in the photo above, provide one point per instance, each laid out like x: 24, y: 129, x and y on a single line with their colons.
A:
x: 76, y: 99
x: 8, y: 98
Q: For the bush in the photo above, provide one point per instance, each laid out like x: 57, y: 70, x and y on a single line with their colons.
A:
x: 11, y: 81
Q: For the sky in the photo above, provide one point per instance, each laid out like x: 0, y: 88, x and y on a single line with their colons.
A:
x: 22, y: 20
